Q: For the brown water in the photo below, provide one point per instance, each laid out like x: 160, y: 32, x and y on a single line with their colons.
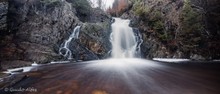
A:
x: 134, y: 78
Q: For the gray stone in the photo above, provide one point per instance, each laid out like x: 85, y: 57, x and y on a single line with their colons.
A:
x: 95, y: 37
x: 38, y: 27
x: 3, y: 16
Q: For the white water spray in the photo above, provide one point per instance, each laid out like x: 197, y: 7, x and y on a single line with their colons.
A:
x: 123, y: 39
x: 65, y: 46
x: 123, y: 65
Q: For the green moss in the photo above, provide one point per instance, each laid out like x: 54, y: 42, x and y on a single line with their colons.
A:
x: 158, y: 25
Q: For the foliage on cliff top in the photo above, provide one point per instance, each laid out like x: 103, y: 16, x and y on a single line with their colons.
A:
x: 191, y: 28
x: 151, y: 17
x: 139, y: 8
x: 191, y: 20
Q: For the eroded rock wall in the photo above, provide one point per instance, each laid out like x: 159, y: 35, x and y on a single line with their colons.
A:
x: 33, y: 31
x: 3, y: 17
x: 177, y: 28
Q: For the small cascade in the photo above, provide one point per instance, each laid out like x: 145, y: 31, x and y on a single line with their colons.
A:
x: 125, y: 42
x: 64, y: 49
x: 139, y: 41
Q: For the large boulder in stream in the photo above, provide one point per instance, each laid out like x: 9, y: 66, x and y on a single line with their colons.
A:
x: 36, y: 27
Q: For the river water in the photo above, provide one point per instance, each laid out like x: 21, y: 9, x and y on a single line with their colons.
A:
x: 123, y: 73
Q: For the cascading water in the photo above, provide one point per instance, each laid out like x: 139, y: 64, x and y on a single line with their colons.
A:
x: 65, y: 46
x: 123, y: 64
x: 125, y: 43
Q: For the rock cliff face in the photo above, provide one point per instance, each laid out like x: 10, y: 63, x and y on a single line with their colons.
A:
x: 37, y: 28
x: 3, y: 17
x: 177, y: 28
x: 95, y: 37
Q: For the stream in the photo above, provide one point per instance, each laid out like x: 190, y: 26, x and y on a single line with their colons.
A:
x: 122, y: 73
x: 126, y: 77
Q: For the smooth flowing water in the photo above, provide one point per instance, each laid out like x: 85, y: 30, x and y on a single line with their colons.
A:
x: 124, y: 63
x: 65, y: 46
x: 125, y: 42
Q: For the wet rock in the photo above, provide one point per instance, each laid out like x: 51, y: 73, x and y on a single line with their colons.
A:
x: 80, y: 52
x: 95, y: 37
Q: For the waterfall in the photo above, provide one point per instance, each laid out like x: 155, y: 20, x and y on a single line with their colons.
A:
x: 125, y: 43
x: 65, y: 46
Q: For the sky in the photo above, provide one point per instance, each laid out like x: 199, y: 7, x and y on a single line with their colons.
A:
x: 108, y: 3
